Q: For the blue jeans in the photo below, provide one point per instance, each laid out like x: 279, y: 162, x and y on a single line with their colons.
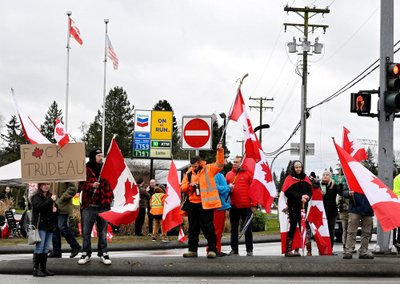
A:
x: 90, y: 217
x: 62, y: 229
x: 43, y: 246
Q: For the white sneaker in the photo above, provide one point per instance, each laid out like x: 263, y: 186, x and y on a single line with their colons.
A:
x: 105, y: 259
x: 84, y: 259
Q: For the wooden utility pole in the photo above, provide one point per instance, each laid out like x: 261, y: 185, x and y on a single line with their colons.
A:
x: 260, y: 108
x: 306, y: 13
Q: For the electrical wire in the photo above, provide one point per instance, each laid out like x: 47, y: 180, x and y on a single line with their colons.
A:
x: 347, y: 86
x: 353, y: 82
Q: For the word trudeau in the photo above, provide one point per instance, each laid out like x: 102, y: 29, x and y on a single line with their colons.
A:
x: 60, y: 168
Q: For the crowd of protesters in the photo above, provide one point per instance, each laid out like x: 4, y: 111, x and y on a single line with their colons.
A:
x: 211, y: 193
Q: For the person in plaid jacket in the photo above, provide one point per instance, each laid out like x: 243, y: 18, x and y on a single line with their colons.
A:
x: 97, y: 197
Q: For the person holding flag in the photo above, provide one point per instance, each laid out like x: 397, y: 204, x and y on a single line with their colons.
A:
x: 200, y: 186
x: 239, y: 179
x: 360, y: 211
x: 297, y: 190
x: 97, y: 196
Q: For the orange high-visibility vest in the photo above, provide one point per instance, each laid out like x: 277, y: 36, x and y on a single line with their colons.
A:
x: 209, y: 196
x: 157, y: 204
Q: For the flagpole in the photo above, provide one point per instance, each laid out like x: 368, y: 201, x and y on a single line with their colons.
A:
x: 226, y: 125
x: 69, y: 13
x: 104, y: 89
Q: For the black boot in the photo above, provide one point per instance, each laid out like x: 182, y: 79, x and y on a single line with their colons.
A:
x: 43, y: 264
x: 36, y: 270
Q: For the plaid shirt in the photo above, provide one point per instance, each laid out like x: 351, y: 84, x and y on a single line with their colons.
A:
x: 103, y: 196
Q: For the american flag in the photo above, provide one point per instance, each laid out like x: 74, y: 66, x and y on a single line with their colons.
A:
x: 111, y: 54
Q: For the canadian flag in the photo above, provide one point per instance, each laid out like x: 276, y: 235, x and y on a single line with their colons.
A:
x: 31, y: 131
x: 172, y: 204
x: 316, y: 218
x: 74, y: 31
x: 5, y: 231
x: 93, y: 234
x: 60, y: 134
x: 239, y: 113
x: 181, y: 238
x: 285, y: 225
x: 384, y: 202
x: 126, y: 194
x: 352, y: 146
x: 262, y: 188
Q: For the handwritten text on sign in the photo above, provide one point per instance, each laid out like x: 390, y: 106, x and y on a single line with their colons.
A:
x: 49, y: 162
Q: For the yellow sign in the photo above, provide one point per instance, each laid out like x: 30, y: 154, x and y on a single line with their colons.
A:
x: 50, y: 163
x: 161, y: 125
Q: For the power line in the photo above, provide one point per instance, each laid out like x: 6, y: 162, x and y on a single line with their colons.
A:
x: 351, y: 84
x: 334, y: 95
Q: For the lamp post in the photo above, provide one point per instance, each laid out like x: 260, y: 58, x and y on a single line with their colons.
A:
x: 223, y: 116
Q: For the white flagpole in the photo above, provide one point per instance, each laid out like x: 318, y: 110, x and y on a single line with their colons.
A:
x: 69, y: 13
x: 104, y: 90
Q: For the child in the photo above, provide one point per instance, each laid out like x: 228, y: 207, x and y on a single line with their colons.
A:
x: 157, y: 207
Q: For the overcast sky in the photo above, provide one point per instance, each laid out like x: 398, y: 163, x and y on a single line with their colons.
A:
x: 191, y: 52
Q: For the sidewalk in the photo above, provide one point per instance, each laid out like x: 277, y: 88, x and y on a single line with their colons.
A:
x: 25, y: 248
x: 323, y: 266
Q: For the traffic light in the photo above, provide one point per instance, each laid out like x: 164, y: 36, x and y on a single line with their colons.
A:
x: 360, y: 102
x: 392, y: 95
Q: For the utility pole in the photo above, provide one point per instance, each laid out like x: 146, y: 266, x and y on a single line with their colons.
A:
x: 385, y: 137
x: 260, y: 108
x: 306, y: 13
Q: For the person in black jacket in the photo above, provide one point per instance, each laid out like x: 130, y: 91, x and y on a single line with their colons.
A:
x: 297, y: 189
x: 330, y: 191
x: 43, y: 217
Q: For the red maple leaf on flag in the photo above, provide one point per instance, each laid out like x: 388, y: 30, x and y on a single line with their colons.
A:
x: 60, y: 131
x: 315, y: 217
x: 130, y: 191
x: 267, y: 171
x: 37, y: 153
x: 382, y: 185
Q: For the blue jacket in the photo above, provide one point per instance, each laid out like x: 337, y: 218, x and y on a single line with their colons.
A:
x: 359, y: 204
x: 223, y: 190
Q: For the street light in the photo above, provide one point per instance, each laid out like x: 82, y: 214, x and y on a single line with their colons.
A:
x: 262, y: 126
x: 223, y: 116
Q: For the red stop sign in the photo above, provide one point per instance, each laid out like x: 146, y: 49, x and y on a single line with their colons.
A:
x: 196, y: 133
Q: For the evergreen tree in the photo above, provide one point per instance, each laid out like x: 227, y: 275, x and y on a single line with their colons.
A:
x: 14, y: 138
x: 119, y: 120
x: 47, y: 128
x: 93, y: 134
x: 209, y: 156
x: 370, y: 163
x: 281, y: 179
x: 275, y: 180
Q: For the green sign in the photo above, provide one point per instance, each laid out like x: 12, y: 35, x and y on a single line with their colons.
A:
x: 141, y: 153
x: 160, y: 144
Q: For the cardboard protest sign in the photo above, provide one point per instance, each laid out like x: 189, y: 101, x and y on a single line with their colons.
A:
x: 50, y: 163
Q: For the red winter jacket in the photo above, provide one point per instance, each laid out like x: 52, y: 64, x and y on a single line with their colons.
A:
x: 240, y: 192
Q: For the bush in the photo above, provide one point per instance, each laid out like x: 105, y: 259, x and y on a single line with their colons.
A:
x: 259, y: 221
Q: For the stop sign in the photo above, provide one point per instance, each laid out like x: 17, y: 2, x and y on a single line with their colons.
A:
x: 196, y: 132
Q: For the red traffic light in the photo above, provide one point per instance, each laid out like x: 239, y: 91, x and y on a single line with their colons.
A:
x: 392, y: 76
x: 393, y: 69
